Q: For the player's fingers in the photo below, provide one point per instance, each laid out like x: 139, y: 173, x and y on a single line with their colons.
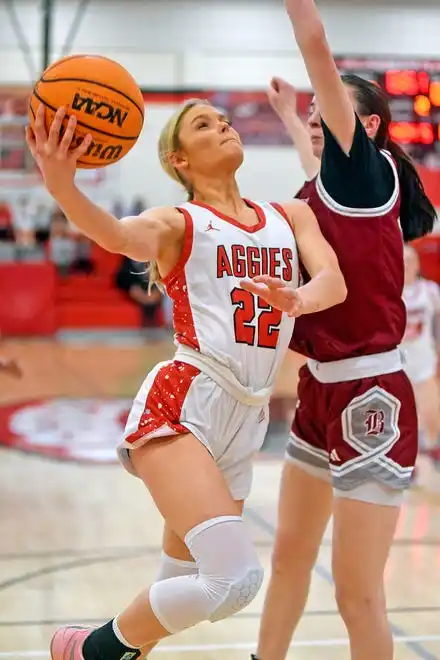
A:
x: 254, y: 287
x: 53, y: 139
x: 40, y: 129
x: 67, y: 138
x: 31, y: 141
x: 275, y: 84
x: 296, y: 304
x: 82, y: 147
x: 272, y: 283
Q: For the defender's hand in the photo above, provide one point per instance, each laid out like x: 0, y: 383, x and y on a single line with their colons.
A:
x: 282, y: 97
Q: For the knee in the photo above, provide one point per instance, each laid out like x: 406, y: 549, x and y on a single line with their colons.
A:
x: 359, y: 606
x: 293, y: 554
x: 230, y: 574
x: 235, y: 593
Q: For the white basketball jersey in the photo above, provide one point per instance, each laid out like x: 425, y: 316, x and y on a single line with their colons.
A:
x: 211, y: 313
x: 422, y: 300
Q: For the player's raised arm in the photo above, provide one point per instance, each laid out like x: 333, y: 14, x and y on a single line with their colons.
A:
x: 142, y: 238
x: 282, y: 97
x: 332, y: 97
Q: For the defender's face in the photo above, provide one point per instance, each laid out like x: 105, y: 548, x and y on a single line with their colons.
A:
x: 315, y: 129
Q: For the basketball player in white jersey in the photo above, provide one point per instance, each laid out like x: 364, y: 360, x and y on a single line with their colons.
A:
x: 421, y: 345
x: 198, y: 419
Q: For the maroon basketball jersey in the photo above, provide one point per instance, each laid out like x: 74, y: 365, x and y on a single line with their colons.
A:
x: 369, y: 246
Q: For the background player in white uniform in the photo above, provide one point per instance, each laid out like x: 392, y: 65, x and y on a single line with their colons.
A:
x: 213, y: 396
x: 421, y: 345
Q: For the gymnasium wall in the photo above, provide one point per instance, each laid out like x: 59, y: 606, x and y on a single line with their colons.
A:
x: 229, y: 44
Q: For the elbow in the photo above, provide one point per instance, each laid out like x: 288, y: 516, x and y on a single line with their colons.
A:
x: 340, y: 289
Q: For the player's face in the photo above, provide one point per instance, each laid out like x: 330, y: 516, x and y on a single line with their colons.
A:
x: 315, y: 129
x: 411, y: 261
x: 208, y: 144
x: 371, y: 123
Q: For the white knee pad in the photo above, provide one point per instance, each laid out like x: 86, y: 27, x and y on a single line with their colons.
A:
x: 171, y: 567
x: 229, y: 577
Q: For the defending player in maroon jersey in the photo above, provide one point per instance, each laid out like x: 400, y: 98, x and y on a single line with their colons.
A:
x: 354, y: 436
x: 368, y: 241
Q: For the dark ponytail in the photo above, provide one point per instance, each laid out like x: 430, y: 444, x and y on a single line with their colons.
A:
x: 417, y: 214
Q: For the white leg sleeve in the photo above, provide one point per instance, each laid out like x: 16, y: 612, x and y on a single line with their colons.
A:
x: 229, y: 577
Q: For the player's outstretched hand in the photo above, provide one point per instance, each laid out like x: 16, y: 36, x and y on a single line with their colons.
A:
x: 282, y: 97
x: 55, y: 153
x: 275, y: 292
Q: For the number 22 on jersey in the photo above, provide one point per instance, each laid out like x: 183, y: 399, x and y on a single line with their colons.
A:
x: 256, y: 323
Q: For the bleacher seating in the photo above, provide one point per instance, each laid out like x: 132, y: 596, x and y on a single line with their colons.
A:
x: 36, y: 300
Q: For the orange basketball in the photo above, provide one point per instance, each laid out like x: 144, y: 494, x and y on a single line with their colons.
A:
x: 102, y: 95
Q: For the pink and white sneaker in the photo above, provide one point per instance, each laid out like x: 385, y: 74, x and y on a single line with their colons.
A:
x: 67, y: 643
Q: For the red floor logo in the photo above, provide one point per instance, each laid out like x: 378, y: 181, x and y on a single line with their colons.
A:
x: 80, y: 430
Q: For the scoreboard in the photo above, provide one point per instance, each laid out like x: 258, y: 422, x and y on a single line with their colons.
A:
x: 413, y: 89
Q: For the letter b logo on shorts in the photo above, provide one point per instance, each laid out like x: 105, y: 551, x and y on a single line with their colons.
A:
x: 370, y: 426
x: 375, y: 422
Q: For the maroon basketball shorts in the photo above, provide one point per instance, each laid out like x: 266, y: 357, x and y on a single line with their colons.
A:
x: 360, y: 433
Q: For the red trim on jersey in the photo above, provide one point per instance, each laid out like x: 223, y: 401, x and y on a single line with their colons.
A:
x: 282, y: 211
x: 184, y: 328
x: 249, y: 228
x: 177, y: 289
x: 164, y: 401
x: 303, y: 274
x: 186, y: 248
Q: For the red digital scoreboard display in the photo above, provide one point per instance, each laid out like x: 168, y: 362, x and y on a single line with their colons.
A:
x: 413, y: 89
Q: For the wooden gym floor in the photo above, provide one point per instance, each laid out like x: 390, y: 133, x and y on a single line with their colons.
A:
x: 76, y: 540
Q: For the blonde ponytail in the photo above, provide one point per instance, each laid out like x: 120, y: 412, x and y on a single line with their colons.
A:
x: 169, y: 144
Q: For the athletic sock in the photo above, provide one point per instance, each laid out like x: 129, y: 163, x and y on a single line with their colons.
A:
x: 107, y: 643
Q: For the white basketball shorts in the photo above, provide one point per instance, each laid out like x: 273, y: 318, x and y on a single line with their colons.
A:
x: 177, y: 398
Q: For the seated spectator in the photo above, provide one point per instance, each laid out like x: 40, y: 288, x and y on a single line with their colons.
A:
x: 62, y: 247
x: 23, y: 223
x: 138, y: 206
x: 83, y: 261
x: 133, y: 280
x: 118, y: 209
x: 6, y: 231
x: 42, y: 219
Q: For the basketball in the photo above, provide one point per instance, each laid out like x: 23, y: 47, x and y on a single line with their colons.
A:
x: 102, y: 95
